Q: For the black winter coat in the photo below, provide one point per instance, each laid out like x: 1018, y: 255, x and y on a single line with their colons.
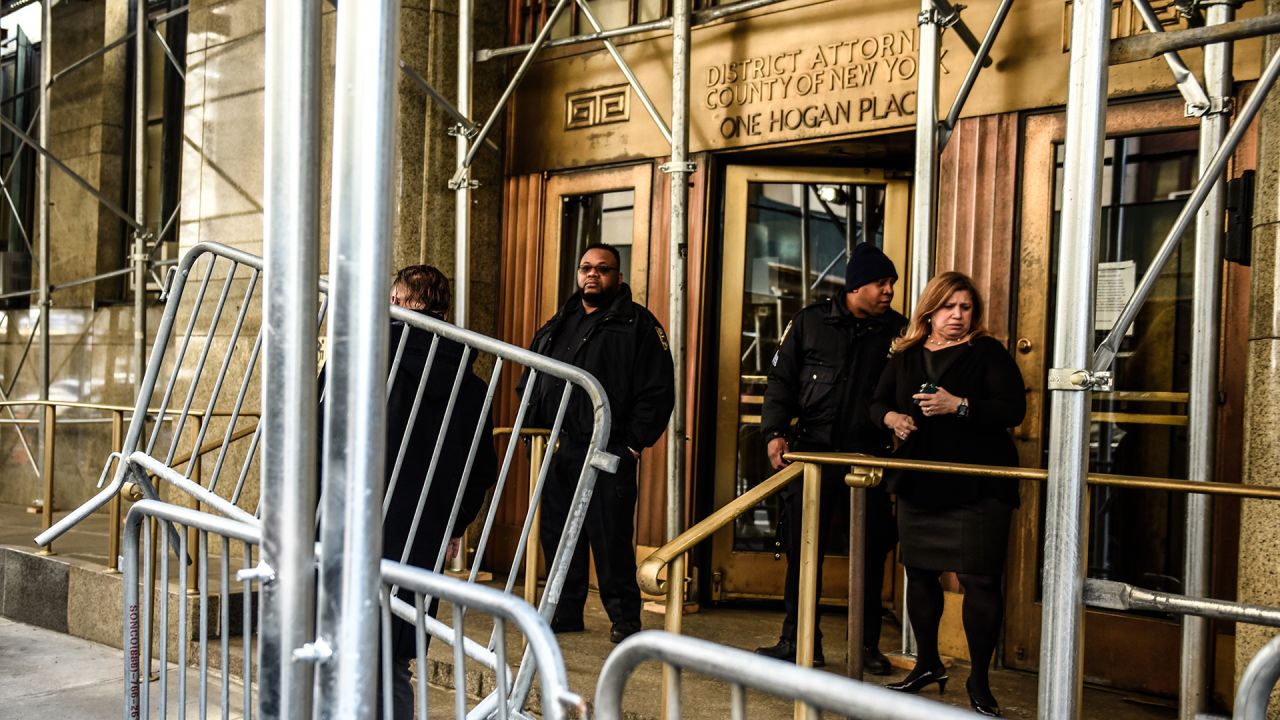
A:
x: 461, y: 431
x: 986, y: 375
x: 448, y: 476
x: 627, y: 351
x: 823, y: 374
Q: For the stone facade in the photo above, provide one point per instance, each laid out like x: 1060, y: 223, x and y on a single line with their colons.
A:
x: 1259, y: 573
x: 222, y: 201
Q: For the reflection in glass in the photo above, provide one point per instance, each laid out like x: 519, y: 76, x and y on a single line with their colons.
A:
x: 594, y: 218
x: 1136, y: 536
x: 798, y: 237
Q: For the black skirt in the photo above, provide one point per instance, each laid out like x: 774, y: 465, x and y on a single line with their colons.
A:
x: 967, y: 538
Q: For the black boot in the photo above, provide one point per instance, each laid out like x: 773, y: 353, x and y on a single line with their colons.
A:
x: 786, y: 650
x: 874, y: 661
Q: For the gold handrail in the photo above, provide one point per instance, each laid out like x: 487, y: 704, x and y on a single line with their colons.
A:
x: 532, y: 551
x: 647, y: 572
x: 212, y: 445
x: 865, y: 471
x: 1036, y: 474
x: 48, y: 453
x: 118, y: 408
x: 524, y: 432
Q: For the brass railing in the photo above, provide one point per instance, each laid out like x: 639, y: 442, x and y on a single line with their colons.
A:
x: 532, y: 553
x: 48, y: 451
x: 865, y: 471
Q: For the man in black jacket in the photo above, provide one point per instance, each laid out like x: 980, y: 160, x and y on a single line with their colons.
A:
x: 622, y: 344
x: 411, y: 491
x: 823, y: 375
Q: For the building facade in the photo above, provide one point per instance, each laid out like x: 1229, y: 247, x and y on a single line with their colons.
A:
x: 802, y: 133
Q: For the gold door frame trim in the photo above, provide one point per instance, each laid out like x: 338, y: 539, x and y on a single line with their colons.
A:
x: 725, y: 560
x: 631, y: 177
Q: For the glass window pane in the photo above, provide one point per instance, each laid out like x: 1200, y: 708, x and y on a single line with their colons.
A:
x: 594, y: 218
x: 610, y: 13
x: 797, y: 239
x: 648, y: 10
x: 1140, y: 428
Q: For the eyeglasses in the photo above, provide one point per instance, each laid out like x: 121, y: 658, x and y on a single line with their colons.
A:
x: 600, y: 269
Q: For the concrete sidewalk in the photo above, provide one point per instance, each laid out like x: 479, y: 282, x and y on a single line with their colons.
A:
x: 47, y: 674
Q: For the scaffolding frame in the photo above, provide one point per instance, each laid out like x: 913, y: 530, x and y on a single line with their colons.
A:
x: 1077, y: 367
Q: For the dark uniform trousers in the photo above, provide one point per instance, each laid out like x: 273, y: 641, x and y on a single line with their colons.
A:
x: 881, y: 535
x: 609, y: 529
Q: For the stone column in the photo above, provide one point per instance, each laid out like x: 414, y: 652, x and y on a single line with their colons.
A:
x: 436, y: 244
x: 1259, y: 565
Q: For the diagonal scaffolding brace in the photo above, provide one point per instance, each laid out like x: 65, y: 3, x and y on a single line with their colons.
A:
x: 1197, y: 101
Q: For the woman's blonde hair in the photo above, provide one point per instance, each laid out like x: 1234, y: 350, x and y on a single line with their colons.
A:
x: 935, y: 295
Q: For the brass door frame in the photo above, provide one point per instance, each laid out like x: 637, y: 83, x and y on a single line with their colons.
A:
x: 1109, y: 636
x: 631, y: 177
x: 745, y: 574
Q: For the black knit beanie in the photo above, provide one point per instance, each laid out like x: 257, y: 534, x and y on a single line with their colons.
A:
x: 867, y: 265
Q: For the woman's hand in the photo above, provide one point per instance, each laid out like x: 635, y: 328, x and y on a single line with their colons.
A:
x: 939, y: 402
x: 901, y: 425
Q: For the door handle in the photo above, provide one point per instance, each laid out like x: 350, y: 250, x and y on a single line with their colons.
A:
x: 1025, y: 345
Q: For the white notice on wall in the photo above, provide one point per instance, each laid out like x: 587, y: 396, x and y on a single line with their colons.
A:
x: 1116, y: 281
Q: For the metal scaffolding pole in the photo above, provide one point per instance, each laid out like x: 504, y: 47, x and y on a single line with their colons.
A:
x: 463, y: 184
x: 355, y: 433
x: 139, y: 192
x: 1069, y: 383
x: 1203, y: 403
x: 678, y: 170
x: 291, y: 228
x: 46, y: 74
x: 925, y: 194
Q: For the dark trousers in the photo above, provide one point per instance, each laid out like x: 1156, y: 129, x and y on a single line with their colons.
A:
x: 880, y: 533
x: 609, y: 529
x: 401, y: 689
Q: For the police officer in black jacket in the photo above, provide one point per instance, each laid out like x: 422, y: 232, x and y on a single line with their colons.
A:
x: 601, y: 330
x: 823, y: 374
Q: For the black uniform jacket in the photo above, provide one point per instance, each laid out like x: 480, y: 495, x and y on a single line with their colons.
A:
x: 987, y: 377
x: 823, y: 374
x: 626, y: 350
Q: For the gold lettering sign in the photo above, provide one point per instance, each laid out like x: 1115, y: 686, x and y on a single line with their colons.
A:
x: 589, y: 108
x: 822, y: 87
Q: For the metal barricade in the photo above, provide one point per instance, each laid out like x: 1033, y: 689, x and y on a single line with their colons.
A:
x: 1257, y: 682
x: 147, y: 613
x: 816, y: 690
x: 191, y: 391
x: 183, y: 389
x: 466, y: 598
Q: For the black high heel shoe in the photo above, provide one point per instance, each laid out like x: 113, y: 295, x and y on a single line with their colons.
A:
x: 914, y: 683
x: 986, y: 706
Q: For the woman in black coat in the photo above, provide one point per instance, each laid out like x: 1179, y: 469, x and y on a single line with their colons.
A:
x: 949, y: 393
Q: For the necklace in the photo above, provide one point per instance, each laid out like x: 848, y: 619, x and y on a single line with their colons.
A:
x: 941, y: 343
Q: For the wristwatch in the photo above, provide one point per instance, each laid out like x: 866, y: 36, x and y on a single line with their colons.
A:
x: 963, y: 409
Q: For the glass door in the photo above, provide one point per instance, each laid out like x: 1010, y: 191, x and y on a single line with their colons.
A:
x: 609, y: 206
x: 787, y: 235
x: 1139, y: 428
